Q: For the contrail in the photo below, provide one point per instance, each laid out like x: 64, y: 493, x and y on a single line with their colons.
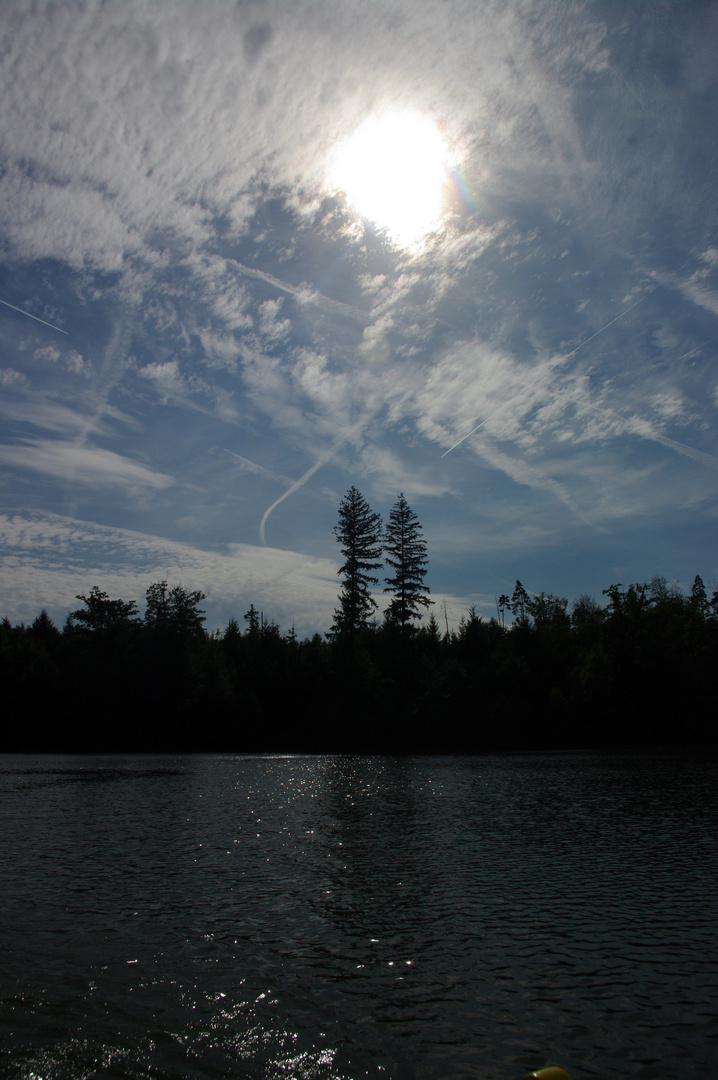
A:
x: 697, y: 349
x: 258, y: 470
x: 23, y: 312
x: 310, y: 473
x: 304, y: 294
x: 295, y: 487
x: 683, y: 448
x: 484, y: 421
x: 566, y: 357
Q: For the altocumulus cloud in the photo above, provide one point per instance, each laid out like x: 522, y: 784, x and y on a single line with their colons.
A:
x: 124, y: 563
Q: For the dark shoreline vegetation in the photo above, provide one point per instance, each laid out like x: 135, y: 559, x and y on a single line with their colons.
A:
x: 639, y: 672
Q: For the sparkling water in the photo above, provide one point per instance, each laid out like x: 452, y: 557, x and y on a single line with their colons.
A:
x: 322, y: 917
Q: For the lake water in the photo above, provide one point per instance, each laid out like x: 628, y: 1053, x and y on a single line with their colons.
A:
x: 391, y: 918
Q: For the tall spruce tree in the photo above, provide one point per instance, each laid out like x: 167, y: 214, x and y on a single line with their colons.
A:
x: 359, y: 532
x: 405, y: 549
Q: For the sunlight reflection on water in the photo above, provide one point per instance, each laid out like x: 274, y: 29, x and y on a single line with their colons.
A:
x: 333, y: 917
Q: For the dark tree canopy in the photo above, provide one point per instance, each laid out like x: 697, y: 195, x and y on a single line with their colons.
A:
x: 175, y: 609
x: 359, y: 533
x: 100, y: 613
x: 637, y: 672
x: 43, y: 628
x: 406, y: 555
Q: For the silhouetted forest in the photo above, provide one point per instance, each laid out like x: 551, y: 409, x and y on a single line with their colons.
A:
x: 637, y: 670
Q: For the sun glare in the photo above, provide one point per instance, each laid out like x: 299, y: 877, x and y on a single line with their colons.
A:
x: 393, y: 170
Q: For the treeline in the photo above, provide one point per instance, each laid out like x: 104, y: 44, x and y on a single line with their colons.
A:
x: 637, y: 670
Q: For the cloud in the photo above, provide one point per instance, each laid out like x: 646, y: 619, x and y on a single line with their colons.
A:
x: 31, y: 316
x: 75, y: 464
x: 162, y: 198
x: 48, y: 559
x: 392, y: 471
x: 39, y: 412
x: 49, y: 353
x: 11, y: 378
x: 148, y: 128
x: 166, y: 377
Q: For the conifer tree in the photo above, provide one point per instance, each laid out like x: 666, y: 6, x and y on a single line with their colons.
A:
x: 253, y: 621
x: 359, y: 533
x: 520, y: 605
x: 699, y: 598
x: 406, y: 555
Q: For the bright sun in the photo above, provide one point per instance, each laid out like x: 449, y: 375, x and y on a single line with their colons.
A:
x: 393, y: 171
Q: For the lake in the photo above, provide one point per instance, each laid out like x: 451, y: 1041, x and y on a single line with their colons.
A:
x: 318, y: 917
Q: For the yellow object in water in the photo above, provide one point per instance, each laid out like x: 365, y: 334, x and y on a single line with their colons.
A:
x: 552, y: 1073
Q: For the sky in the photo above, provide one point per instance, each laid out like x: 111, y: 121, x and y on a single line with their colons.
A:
x: 254, y: 253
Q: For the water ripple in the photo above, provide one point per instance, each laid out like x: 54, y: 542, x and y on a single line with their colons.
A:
x: 328, y: 917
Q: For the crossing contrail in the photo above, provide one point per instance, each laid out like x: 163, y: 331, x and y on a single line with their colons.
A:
x: 566, y: 357
x: 304, y: 294
x: 23, y: 312
x: 486, y: 419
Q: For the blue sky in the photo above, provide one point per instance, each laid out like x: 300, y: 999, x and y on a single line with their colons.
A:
x: 204, y: 341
